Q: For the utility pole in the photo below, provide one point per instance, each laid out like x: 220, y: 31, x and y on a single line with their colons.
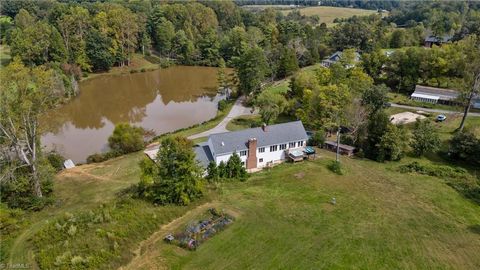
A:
x: 338, y: 148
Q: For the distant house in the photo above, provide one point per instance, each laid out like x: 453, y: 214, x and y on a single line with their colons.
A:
x: 431, y: 40
x: 439, y: 95
x: 336, y: 57
x: 257, y: 147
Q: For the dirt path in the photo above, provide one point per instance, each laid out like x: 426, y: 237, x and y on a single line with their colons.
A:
x: 433, y: 110
x: 148, y: 254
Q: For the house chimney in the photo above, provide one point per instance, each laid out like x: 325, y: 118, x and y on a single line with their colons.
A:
x: 252, y: 154
x: 264, y: 127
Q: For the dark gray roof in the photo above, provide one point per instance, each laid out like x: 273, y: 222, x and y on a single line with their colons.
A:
x: 434, y: 39
x: 335, y: 57
x: 442, y: 93
x: 275, y: 134
x: 203, y: 154
x: 341, y: 146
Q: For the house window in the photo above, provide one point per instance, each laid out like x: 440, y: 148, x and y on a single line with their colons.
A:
x: 283, y: 146
x: 261, y: 150
x: 273, y: 148
x: 243, y: 153
x: 260, y: 160
x: 291, y: 145
x: 300, y: 143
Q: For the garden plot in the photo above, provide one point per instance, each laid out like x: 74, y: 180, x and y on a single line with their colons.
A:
x: 197, y: 232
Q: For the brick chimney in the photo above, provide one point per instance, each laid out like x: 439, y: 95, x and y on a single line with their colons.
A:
x: 264, y: 127
x: 252, y: 154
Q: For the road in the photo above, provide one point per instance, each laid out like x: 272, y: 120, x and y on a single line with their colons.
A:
x: 432, y: 110
x: 237, y: 110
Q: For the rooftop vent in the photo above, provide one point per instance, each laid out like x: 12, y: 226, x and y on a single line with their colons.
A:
x: 264, y: 127
x: 223, y: 144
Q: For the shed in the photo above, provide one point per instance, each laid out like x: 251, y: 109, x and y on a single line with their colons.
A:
x: 343, y: 148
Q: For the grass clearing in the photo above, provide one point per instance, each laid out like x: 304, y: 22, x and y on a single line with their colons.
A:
x: 382, y: 220
x: 139, y: 63
x: 329, y: 14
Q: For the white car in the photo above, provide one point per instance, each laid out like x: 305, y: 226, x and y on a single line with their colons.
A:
x: 441, y: 118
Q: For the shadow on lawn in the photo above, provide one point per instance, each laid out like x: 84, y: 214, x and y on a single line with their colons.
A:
x: 474, y: 228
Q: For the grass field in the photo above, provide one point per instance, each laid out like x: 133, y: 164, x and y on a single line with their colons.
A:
x: 382, y: 220
x: 328, y: 14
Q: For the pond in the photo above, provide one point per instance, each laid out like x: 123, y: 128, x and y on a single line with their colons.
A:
x: 163, y: 100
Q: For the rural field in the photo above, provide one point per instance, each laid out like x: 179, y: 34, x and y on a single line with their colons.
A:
x: 328, y: 14
x: 382, y: 219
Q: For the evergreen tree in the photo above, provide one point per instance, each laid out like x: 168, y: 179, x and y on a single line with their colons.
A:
x: 288, y: 63
x: 212, y: 172
x: 235, y: 169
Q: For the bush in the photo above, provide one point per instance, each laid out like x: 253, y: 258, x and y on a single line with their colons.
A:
x: 335, y: 167
x: 222, y: 105
x: 101, y: 157
x: 56, y: 160
x: 457, y: 178
x: 317, y: 139
x: 126, y: 138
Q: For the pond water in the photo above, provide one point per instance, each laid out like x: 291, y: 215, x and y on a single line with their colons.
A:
x: 162, y: 100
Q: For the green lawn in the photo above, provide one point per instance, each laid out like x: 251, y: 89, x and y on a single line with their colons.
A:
x: 382, y: 220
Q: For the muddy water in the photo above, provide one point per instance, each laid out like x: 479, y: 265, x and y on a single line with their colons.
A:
x: 161, y: 100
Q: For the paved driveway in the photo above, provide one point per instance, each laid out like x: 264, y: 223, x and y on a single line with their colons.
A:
x: 237, y: 110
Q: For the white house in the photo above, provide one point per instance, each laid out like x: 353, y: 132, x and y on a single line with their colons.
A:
x: 257, y: 147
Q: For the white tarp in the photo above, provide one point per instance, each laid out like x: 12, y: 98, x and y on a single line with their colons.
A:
x: 68, y: 164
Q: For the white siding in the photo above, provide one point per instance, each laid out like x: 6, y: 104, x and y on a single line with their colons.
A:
x: 268, y: 157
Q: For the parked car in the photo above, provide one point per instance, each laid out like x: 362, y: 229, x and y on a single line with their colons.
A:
x: 441, y: 118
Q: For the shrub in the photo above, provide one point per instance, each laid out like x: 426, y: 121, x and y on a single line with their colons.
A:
x: 101, y: 157
x: 222, y: 105
x: 126, y: 138
x: 56, y: 160
x: 335, y: 167
x: 457, y: 178
x: 317, y: 139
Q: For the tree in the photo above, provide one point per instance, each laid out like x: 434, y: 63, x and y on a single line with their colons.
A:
x: 38, y: 44
x: 271, y: 105
x: 73, y: 26
x: 466, y: 146
x: 375, y: 98
x: 164, y: 35
x: 25, y: 94
x: 251, y: 70
x: 98, y: 50
x: 393, y: 143
x: 373, y: 63
x: 377, y: 126
x: 398, y: 39
x: 212, y: 172
x: 235, y: 168
x: 288, y: 63
x: 470, y: 73
x: 175, y: 176
x: 425, y: 138
x: 126, y: 138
